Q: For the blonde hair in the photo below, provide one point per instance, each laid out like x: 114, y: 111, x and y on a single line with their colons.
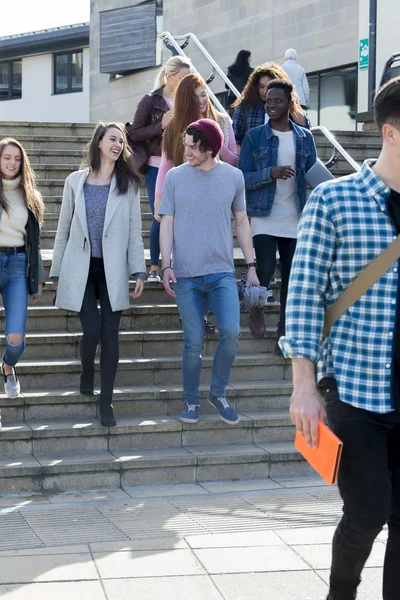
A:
x: 171, y: 67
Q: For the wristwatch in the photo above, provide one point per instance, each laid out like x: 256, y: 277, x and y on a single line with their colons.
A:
x: 252, y: 264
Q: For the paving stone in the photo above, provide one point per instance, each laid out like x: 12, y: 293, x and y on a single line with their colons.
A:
x: 164, y: 490
x: 90, y: 590
x: 307, y: 535
x: 250, y: 560
x: 166, y: 588
x: 300, y: 482
x: 147, y: 564
x: 59, y: 567
x: 319, y: 556
x: 235, y: 540
x: 140, y: 544
x: 299, y: 585
x: 220, y: 487
x: 370, y: 586
x: 87, y: 496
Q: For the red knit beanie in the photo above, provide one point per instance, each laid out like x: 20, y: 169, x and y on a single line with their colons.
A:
x: 211, y: 131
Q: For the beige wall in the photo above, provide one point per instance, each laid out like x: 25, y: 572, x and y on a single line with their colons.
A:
x: 324, y: 33
x: 38, y: 103
x: 113, y: 100
x: 387, y: 42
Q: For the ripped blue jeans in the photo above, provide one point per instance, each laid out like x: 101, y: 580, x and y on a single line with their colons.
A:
x: 14, y: 290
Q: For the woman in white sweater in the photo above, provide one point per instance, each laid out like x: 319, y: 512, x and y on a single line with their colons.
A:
x: 21, y: 270
x: 97, y: 247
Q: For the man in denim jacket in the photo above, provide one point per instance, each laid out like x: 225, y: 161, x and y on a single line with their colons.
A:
x: 274, y: 159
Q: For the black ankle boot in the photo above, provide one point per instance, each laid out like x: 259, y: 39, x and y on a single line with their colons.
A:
x: 86, y: 386
x: 107, y: 417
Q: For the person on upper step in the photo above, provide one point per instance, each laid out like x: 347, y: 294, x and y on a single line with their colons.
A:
x: 274, y: 159
x: 250, y: 106
x: 152, y: 116
x: 238, y: 73
x: 98, y: 246
x: 297, y: 76
x: 21, y: 268
x: 192, y: 102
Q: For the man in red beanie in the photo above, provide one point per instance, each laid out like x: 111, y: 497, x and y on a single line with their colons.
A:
x: 199, y: 199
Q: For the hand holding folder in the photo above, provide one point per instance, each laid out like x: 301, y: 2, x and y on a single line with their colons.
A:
x: 325, y: 459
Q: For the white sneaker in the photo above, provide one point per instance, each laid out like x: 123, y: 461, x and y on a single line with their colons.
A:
x: 154, y: 276
x: 12, y: 386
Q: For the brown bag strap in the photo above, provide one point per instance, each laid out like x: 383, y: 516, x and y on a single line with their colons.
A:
x: 361, y: 284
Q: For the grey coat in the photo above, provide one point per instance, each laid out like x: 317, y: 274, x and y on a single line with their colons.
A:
x: 123, y: 252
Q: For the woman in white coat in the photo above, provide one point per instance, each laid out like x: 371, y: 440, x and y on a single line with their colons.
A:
x: 97, y: 247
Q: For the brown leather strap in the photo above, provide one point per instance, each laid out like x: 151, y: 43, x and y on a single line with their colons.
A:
x: 361, y: 284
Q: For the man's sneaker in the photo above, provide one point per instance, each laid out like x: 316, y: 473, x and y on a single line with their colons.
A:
x: 154, y: 276
x: 11, y: 384
x: 190, y: 414
x: 226, y: 411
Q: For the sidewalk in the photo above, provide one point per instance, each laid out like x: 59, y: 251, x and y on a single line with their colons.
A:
x: 258, y: 540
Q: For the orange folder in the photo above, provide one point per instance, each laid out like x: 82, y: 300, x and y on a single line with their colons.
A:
x: 325, y: 459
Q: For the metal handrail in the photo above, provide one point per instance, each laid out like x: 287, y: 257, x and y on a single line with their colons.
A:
x: 168, y: 38
x: 331, y: 138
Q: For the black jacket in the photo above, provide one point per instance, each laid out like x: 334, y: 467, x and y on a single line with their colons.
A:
x: 35, y: 271
x: 239, y: 81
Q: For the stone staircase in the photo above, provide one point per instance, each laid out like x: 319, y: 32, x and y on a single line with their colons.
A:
x: 52, y: 438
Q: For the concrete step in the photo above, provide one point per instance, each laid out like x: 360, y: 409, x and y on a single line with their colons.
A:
x: 240, y: 265
x: 150, y: 431
x: 26, y: 128
x: 61, y: 471
x: 56, y: 157
x: 153, y: 292
x: 139, y: 343
x: 53, y: 142
x: 139, y: 400
x: 147, y: 317
x: 147, y: 370
x: 48, y: 235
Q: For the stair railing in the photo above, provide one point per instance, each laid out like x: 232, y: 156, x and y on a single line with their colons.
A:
x: 171, y: 42
x: 337, y: 148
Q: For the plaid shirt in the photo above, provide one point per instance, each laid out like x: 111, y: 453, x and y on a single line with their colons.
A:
x: 247, y: 117
x: 344, y: 226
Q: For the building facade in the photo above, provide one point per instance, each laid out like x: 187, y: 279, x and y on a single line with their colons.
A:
x: 44, y: 75
x: 52, y: 75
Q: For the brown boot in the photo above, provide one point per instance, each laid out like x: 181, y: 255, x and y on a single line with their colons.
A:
x: 256, y: 322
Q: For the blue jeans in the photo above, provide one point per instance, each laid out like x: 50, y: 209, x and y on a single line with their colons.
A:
x: 150, y: 179
x: 220, y: 291
x: 14, y: 289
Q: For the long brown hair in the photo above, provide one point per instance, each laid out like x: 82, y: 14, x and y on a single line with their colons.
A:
x: 32, y: 196
x: 186, y: 111
x: 125, y: 169
x: 250, y: 95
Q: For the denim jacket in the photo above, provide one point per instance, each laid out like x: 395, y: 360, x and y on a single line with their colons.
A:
x: 259, y: 153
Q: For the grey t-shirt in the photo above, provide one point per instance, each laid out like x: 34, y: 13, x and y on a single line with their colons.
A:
x: 201, y: 203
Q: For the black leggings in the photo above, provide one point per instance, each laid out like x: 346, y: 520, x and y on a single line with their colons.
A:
x: 97, y: 328
x: 369, y: 484
x: 265, y: 247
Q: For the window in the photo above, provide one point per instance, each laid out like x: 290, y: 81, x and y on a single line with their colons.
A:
x: 333, y: 98
x: 68, y: 72
x: 11, y: 80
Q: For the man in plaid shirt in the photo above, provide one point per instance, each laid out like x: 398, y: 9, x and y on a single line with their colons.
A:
x: 345, y: 225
